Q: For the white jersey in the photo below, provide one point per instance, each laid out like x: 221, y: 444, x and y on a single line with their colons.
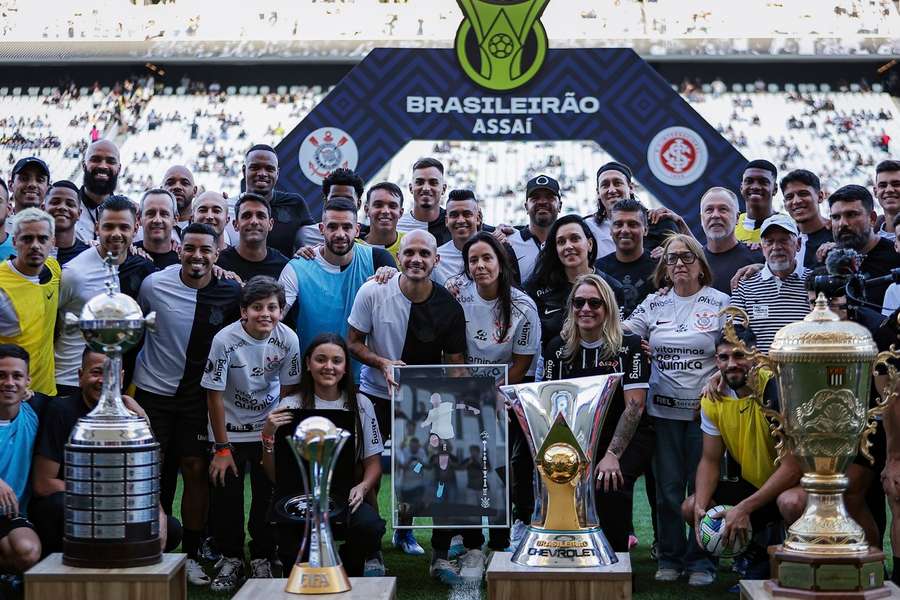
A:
x: 450, y: 265
x: 682, y: 332
x: 250, y: 372
x: 372, y: 443
x: 602, y: 235
x: 408, y: 222
x: 482, y: 327
x: 526, y: 247
x: 441, y: 420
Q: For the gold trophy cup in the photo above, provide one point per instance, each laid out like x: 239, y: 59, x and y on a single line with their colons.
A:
x: 823, y: 368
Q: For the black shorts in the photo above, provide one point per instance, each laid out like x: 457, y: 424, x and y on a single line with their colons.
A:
x: 7, y: 524
x: 878, y: 451
x: 735, y: 492
x: 179, y: 424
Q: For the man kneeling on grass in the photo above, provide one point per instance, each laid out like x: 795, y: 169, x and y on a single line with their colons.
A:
x: 732, y: 419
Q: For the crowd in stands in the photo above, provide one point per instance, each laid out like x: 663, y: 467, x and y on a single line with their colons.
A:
x: 657, y: 27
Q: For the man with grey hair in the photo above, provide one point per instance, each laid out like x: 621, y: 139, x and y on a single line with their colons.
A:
x: 718, y: 216
x: 29, y: 295
x: 156, y: 217
x: 776, y: 296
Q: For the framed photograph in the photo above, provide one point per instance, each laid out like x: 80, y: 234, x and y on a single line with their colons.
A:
x: 449, y: 458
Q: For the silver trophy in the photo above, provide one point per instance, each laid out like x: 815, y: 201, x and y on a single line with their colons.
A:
x: 562, y: 421
x: 111, y: 458
x: 316, y: 443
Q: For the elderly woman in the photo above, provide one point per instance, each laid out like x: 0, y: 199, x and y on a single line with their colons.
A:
x: 681, y: 328
x: 593, y: 343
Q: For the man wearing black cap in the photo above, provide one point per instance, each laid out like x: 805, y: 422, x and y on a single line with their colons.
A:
x: 29, y: 182
x: 614, y: 183
x: 758, y: 186
x: 542, y: 203
x: 101, y: 172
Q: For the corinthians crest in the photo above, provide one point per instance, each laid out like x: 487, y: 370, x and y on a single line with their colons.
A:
x: 327, y: 149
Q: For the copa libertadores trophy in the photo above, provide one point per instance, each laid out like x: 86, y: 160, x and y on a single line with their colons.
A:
x: 111, y: 458
x: 823, y: 367
x: 562, y: 421
x: 316, y: 443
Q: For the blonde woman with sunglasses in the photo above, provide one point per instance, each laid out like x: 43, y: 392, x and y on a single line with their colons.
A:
x: 593, y: 343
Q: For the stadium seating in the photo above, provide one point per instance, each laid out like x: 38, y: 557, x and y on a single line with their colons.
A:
x: 839, y: 134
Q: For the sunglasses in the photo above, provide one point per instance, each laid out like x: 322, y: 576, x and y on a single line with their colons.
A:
x: 685, y: 257
x: 578, y: 302
x: 725, y: 357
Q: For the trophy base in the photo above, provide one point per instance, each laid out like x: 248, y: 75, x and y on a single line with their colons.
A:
x: 808, y: 576
x: 119, y: 555
x: 556, y: 548
x: 317, y: 580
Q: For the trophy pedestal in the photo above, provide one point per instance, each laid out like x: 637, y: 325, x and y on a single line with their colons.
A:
x: 508, y: 581
x: 755, y: 589
x: 362, y: 588
x: 806, y: 576
x: 50, y: 579
x: 564, y: 549
x: 317, y: 580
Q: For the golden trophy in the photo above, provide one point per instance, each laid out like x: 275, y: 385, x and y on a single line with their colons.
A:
x: 317, y: 442
x: 823, y: 368
x: 562, y: 420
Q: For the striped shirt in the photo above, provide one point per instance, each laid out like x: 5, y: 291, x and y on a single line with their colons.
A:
x: 772, y: 302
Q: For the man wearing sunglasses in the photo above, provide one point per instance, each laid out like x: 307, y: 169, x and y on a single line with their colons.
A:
x: 776, y: 295
x: 733, y: 420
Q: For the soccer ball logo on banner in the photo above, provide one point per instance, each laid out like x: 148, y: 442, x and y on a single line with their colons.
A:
x: 677, y: 156
x: 327, y: 149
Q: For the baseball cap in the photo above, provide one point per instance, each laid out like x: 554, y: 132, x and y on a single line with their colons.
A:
x: 542, y: 182
x: 27, y: 162
x: 779, y: 220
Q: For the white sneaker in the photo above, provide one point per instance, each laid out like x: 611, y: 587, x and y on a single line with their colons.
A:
x: 261, y: 568
x: 700, y: 578
x: 667, y: 575
x: 471, y: 564
x: 195, y: 573
x: 516, y: 533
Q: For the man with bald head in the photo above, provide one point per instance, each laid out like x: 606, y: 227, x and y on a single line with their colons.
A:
x: 101, y: 168
x: 289, y: 210
x: 407, y: 321
x: 211, y: 208
x: 179, y: 181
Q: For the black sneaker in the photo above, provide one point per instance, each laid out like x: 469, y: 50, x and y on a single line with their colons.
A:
x: 208, y: 550
x: 230, y: 575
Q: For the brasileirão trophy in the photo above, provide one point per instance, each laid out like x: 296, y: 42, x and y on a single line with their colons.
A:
x: 111, y: 458
x: 562, y: 421
x: 316, y: 443
x: 823, y: 367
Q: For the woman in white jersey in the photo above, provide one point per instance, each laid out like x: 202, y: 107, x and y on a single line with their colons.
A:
x: 502, y: 327
x: 327, y: 383
x: 681, y: 328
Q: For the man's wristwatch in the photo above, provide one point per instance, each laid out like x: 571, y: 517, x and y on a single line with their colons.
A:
x: 222, y: 446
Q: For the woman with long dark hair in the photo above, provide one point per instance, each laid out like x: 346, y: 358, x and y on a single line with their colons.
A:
x: 593, y: 343
x: 502, y: 327
x: 569, y: 252
x: 327, y: 383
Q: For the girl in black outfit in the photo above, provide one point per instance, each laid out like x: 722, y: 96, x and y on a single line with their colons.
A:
x: 592, y: 342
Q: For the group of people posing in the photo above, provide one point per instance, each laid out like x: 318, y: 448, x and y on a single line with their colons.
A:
x: 262, y: 311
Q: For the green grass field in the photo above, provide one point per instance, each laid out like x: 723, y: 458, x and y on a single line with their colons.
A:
x: 413, y: 582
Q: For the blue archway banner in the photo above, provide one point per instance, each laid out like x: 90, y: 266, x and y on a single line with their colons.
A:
x: 610, y: 96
